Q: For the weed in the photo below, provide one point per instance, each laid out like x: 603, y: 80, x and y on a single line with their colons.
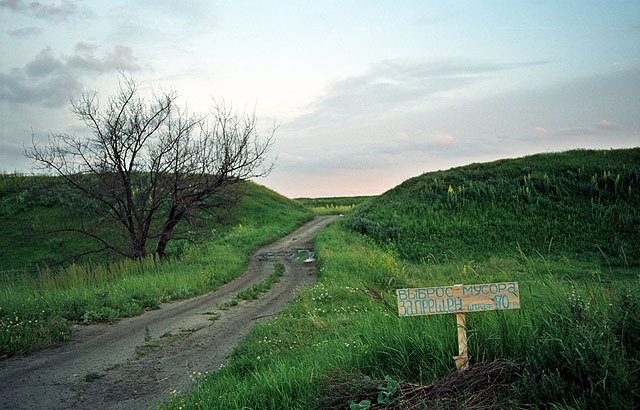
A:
x: 259, y: 288
x: 387, y: 392
x: 362, y: 405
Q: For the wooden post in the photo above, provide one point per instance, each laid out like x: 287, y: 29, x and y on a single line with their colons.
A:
x: 462, y: 359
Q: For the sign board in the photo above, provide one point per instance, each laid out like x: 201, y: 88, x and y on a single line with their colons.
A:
x: 458, y: 299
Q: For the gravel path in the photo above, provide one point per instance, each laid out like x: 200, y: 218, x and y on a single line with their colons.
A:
x: 137, y: 361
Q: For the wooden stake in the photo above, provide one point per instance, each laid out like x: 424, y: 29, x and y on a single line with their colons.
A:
x: 462, y: 360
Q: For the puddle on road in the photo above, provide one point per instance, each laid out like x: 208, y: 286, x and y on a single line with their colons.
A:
x: 301, y: 255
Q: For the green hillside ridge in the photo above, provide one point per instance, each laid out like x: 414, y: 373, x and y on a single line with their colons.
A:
x: 581, y: 205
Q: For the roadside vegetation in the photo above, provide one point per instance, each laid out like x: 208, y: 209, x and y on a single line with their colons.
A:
x: 565, y: 226
x: 44, y: 290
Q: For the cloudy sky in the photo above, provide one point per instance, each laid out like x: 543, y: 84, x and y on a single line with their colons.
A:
x: 366, y: 93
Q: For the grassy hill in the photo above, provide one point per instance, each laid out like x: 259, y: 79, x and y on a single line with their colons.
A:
x: 43, y: 288
x: 581, y: 205
x: 565, y: 226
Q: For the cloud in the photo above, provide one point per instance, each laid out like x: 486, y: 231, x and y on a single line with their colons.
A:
x: 59, y: 11
x: 43, y: 64
x: 120, y: 58
x: 52, y: 80
x: 393, y: 85
x: 25, y: 32
x: 442, y: 140
x: 51, y: 91
x: 542, y: 132
x: 12, y: 157
x: 604, y: 127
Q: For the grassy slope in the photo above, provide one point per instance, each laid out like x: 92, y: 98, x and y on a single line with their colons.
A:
x: 580, y: 205
x: 37, y: 308
x: 31, y: 206
x: 576, y: 334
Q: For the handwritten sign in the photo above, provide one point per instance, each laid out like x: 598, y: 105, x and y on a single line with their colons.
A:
x: 458, y: 299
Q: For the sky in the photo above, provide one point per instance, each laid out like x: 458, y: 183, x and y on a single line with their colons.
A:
x: 365, y: 94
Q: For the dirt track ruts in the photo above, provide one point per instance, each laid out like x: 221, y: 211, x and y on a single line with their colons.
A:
x: 99, y: 366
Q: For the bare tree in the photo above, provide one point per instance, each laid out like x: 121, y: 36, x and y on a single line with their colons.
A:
x: 150, y: 165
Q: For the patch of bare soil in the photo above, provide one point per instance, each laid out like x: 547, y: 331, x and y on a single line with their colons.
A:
x: 137, y: 361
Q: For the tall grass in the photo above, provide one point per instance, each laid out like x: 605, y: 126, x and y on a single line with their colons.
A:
x: 37, y: 310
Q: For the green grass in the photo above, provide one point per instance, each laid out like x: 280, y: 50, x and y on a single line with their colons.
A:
x: 333, y: 206
x: 263, y: 286
x: 38, y: 309
x: 577, y: 332
x: 254, y: 291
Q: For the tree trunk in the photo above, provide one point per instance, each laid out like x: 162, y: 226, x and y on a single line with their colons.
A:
x: 167, y: 231
x: 139, y: 249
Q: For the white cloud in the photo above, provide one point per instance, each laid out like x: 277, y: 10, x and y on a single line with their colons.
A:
x: 395, y: 85
x: 401, y: 136
x: 404, y: 143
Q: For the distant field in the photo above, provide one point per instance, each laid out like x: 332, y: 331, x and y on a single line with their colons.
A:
x: 43, y: 289
x: 565, y: 226
x: 334, y: 206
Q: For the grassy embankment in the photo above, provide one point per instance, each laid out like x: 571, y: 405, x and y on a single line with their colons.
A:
x: 38, y: 303
x: 565, y: 226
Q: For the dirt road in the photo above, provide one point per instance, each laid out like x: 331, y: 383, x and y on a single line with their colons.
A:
x: 136, y: 362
